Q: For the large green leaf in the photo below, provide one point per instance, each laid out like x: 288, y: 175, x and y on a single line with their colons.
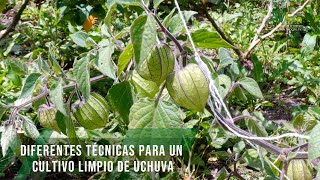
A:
x: 8, y: 138
x: 204, y: 38
x: 80, y: 38
x: 104, y: 61
x: 142, y: 87
x: 308, y: 43
x: 121, y: 99
x: 176, y: 24
x: 156, y: 3
x: 143, y: 37
x: 314, y: 143
x: 82, y: 73
x: 125, y: 58
x: 29, y: 85
x: 19, y: 67
x: 257, y: 72
x: 224, y: 84
x: 251, y: 86
x: 256, y: 128
x: 225, y: 58
x: 144, y: 114
x: 29, y: 128
x: 56, y: 96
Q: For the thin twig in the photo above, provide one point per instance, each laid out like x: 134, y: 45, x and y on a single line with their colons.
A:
x: 264, y: 21
x: 254, y: 43
x: 221, y: 33
x: 284, y: 169
x: 15, y: 20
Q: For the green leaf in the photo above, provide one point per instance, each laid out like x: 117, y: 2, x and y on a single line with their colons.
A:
x: 225, y: 58
x: 104, y: 61
x: 256, y: 128
x: 257, y: 72
x: 29, y: 128
x: 167, y: 19
x: 121, y: 99
x: 125, y: 2
x: 156, y: 3
x: 82, y: 73
x: 79, y: 38
x: 176, y: 24
x: 203, y: 38
x: 308, y: 43
x: 3, y: 109
x: 144, y: 114
x: 8, y: 138
x: 2, y: 5
x: 142, y: 87
x: 56, y: 97
x: 143, y: 37
x: 251, y: 86
x: 29, y: 85
x: 12, y: 43
x: 125, y: 58
x: 224, y: 84
x: 16, y: 80
x: 314, y: 142
x: 19, y: 67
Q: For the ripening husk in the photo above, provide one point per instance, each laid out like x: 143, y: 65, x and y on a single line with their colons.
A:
x: 94, y: 113
x: 189, y: 87
x: 298, y: 170
x: 47, y: 117
x: 158, y: 65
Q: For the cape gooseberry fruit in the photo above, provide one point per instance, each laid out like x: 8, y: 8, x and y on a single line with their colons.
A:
x: 47, y: 117
x: 298, y: 169
x: 189, y: 87
x: 158, y: 65
x: 92, y: 113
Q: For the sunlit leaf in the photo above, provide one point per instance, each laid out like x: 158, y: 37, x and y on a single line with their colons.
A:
x: 121, y: 99
x: 176, y: 24
x: 104, y: 61
x: 79, y: 38
x: 204, y: 38
x: 29, y: 128
x: 251, y: 86
x: 144, y: 114
x: 82, y: 73
x: 125, y: 58
x: 143, y: 37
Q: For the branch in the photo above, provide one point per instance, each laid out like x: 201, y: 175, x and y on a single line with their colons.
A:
x: 167, y: 32
x: 228, y: 125
x: 45, y: 93
x: 264, y: 21
x: 221, y: 33
x: 256, y: 41
x: 15, y: 20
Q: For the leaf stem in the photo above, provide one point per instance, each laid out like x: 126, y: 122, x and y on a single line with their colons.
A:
x: 183, y: 53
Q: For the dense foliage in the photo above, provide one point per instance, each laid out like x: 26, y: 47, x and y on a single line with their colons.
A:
x: 124, y: 66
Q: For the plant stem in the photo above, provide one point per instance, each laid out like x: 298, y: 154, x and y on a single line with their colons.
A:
x: 183, y: 53
x: 265, y: 144
x: 15, y: 20
x: 221, y: 33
